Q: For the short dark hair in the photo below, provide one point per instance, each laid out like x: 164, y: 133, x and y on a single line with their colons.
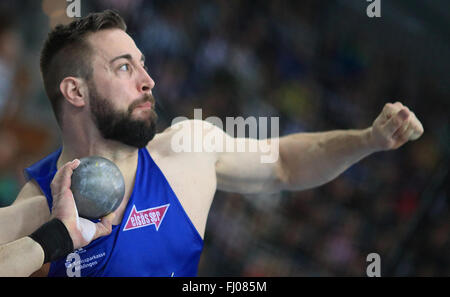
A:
x: 67, y: 53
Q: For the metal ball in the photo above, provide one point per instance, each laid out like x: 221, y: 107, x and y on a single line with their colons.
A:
x: 98, y: 187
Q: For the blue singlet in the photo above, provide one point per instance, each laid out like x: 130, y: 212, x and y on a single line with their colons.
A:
x: 155, y: 237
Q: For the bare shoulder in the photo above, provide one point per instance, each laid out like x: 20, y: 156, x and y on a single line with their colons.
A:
x: 187, y: 127
x: 186, y: 136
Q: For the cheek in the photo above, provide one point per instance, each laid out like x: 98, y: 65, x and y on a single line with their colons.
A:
x: 123, y: 90
x: 117, y: 93
x: 120, y: 91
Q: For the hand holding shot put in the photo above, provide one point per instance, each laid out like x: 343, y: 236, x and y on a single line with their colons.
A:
x: 64, y: 232
x: 81, y: 230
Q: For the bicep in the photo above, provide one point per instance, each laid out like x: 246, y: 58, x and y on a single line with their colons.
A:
x: 242, y: 165
x: 249, y: 165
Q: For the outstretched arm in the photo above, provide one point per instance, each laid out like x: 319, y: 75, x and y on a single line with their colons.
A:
x: 308, y: 160
x: 312, y: 159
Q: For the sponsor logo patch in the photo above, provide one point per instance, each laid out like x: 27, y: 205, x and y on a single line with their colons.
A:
x: 146, y: 217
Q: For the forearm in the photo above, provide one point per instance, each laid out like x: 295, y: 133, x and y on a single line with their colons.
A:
x: 312, y: 159
x: 21, y: 219
x: 21, y: 257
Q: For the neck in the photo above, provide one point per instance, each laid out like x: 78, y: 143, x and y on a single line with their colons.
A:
x: 80, y: 143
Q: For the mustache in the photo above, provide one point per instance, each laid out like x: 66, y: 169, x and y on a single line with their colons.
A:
x: 144, y: 99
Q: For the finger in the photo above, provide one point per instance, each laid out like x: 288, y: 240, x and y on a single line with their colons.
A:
x: 64, y: 174
x: 387, y: 111
x: 417, y: 127
x: 70, y: 167
x: 108, y: 218
x: 402, y: 129
x: 404, y: 136
x: 390, y: 109
x: 104, y: 227
x: 68, y: 171
x: 396, y: 121
x: 417, y: 132
x: 398, y: 104
x: 74, y: 164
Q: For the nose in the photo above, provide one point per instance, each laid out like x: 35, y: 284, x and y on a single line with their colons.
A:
x: 146, y: 83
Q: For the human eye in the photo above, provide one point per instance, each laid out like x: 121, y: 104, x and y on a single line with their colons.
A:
x: 124, y: 67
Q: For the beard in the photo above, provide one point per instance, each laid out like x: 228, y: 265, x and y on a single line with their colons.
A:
x: 119, y: 125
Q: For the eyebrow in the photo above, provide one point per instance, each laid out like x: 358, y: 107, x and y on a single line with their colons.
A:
x: 126, y: 56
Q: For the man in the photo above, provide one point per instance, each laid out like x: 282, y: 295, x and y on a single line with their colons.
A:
x: 56, y: 238
x: 101, y: 93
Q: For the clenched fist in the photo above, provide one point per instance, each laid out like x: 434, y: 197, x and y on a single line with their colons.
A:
x: 395, y: 125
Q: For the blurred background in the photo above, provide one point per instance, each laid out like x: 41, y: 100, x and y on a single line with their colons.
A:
x: 317, y: 65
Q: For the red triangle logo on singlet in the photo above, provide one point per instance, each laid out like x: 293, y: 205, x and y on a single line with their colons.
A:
x: 146, y: 217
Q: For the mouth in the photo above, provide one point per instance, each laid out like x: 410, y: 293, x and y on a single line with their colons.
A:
x: 146, y: 105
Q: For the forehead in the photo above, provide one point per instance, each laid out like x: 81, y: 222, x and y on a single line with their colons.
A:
x: 110, y: 43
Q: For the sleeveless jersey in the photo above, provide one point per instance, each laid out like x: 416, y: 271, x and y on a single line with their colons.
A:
x: 155, y: 237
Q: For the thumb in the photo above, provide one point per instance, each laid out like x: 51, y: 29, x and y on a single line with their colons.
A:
x: 396, y: 121
x: 104, y: 227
